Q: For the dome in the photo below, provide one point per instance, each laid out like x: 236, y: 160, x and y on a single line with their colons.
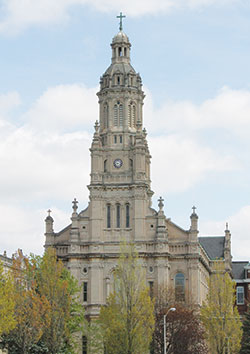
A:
x: 120, y: 37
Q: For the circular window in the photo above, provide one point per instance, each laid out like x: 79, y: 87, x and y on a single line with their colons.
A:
x: 85, y: 270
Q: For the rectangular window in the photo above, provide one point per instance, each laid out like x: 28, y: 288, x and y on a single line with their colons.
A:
x: 240, y: 295
x: 151, y: 289
x: 118, y: 219
x: 108, y: 216
x: 127, y: 216
x: 84, y: 345
x: 115, y: 139
x: 85, y: 291
x: 120, y: 138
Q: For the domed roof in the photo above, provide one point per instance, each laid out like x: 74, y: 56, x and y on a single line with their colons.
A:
x: 120, y: 37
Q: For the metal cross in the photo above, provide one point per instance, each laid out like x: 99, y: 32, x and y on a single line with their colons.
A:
x: 121, y: 16
x: 194, y: 208
x: 49, y: 211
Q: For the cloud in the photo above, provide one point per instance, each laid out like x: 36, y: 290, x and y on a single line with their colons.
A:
x: 21, y: 14
x: 63, y: 108
x: 239, y: 224
x: 228, y: 110
x: 179, y: 163
x: 45, y: 162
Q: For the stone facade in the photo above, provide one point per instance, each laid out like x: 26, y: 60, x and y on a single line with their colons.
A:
x: 120, y: 204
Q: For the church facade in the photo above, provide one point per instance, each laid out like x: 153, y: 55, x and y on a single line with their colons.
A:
x: 120, y: 204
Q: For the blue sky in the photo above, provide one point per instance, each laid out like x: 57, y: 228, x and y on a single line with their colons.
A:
x: 193, y: 56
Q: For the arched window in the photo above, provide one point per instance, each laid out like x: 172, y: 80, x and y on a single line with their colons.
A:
x: 118, y: 114
x: 105, y: 116
x: 118, y: 215
x: 127, y: 216
x: 131, y: 114
x: 179, y: 281
x: 108, y: 216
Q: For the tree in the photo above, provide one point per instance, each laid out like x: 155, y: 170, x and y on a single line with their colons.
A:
x: 184, y: 332
x: 7, y: 304
x: 47, y: 310
x: 127, y: 320
x: 220, y: 315
x: 66, y: 313
x: 245, y: 348
x: 30, y: 309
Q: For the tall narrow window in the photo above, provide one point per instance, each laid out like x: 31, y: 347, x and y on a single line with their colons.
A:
x: 85, y: 291
x: 118, y: 80
x: 118, y: 216
x: 120, y: 138
x: 108, y: 216
x: 121, y: 115
x: 127, y: 216
x: 115, y: 139
x: 179, y: 287
x: 131, y: 114
x: 151, y: 289
x: 120, y: 52
x: 84, y: 345
x: 105, y: 166
x: 240, y: 295
x: 116, y: 115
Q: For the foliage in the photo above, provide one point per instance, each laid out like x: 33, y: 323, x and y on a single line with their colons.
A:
x: 127, y: 320
x: 7, y: 305
x: 184, y: 332
x: 47, y: 309
x: 245, y: 348
x: 220, y: 315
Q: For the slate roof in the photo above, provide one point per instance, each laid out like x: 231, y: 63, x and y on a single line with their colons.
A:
x: 238, y: 269
x: 213, y: 245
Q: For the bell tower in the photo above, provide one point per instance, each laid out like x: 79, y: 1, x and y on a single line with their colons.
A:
x: 120, y: 159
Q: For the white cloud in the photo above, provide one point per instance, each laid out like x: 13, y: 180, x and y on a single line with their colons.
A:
x: 179, y: 163
x: 21, y: 14
x: 239, y: 225
x: 46, y: 161
x: 228, y: 110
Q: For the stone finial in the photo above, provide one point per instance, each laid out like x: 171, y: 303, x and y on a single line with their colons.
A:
x: 227, y: 229
x: 5, y: 254
x: 75, y: 206
x: 96, y: 126
x: 160, y: 204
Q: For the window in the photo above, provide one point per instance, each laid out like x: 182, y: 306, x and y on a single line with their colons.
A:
x: 127, y: 216
x: 151, y: 289
x: 118, y: 114
x: 118, y: 216
x: 240, y: 295
x: 118, y: 80
x: 105, y: 166
x: 108, y: 216
x: 115, y: 139
x: 120, y: 52
x: 179, y: 287
x: 84, y: 345
x: 120, y: 138
x: 105, y: 116
x: 85, y: 291
x: 131, y: 114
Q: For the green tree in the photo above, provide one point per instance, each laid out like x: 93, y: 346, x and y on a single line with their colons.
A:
x: 7, y: 304
x: 47, y: 311
x: 30, y: 309
x: 219, y: 314
x: 127, y: 320
x: 66, y: 313
x: 245, y: 348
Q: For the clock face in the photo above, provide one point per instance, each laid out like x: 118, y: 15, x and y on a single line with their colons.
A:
x: 118, y: 163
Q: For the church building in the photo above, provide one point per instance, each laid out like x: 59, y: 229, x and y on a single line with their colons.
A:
x: 120, y: 203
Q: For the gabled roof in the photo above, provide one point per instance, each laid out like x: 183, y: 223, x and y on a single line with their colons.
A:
x: 238, y: 269
x: 213, y: 245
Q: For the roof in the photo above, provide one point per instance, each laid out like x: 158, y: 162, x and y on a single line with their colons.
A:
x: 238, y: 269
x: 213, y: 245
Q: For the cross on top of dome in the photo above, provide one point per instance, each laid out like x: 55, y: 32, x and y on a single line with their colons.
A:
x: 121, y: 16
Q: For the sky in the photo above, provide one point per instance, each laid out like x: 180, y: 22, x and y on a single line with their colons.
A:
x: 193, y: 57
